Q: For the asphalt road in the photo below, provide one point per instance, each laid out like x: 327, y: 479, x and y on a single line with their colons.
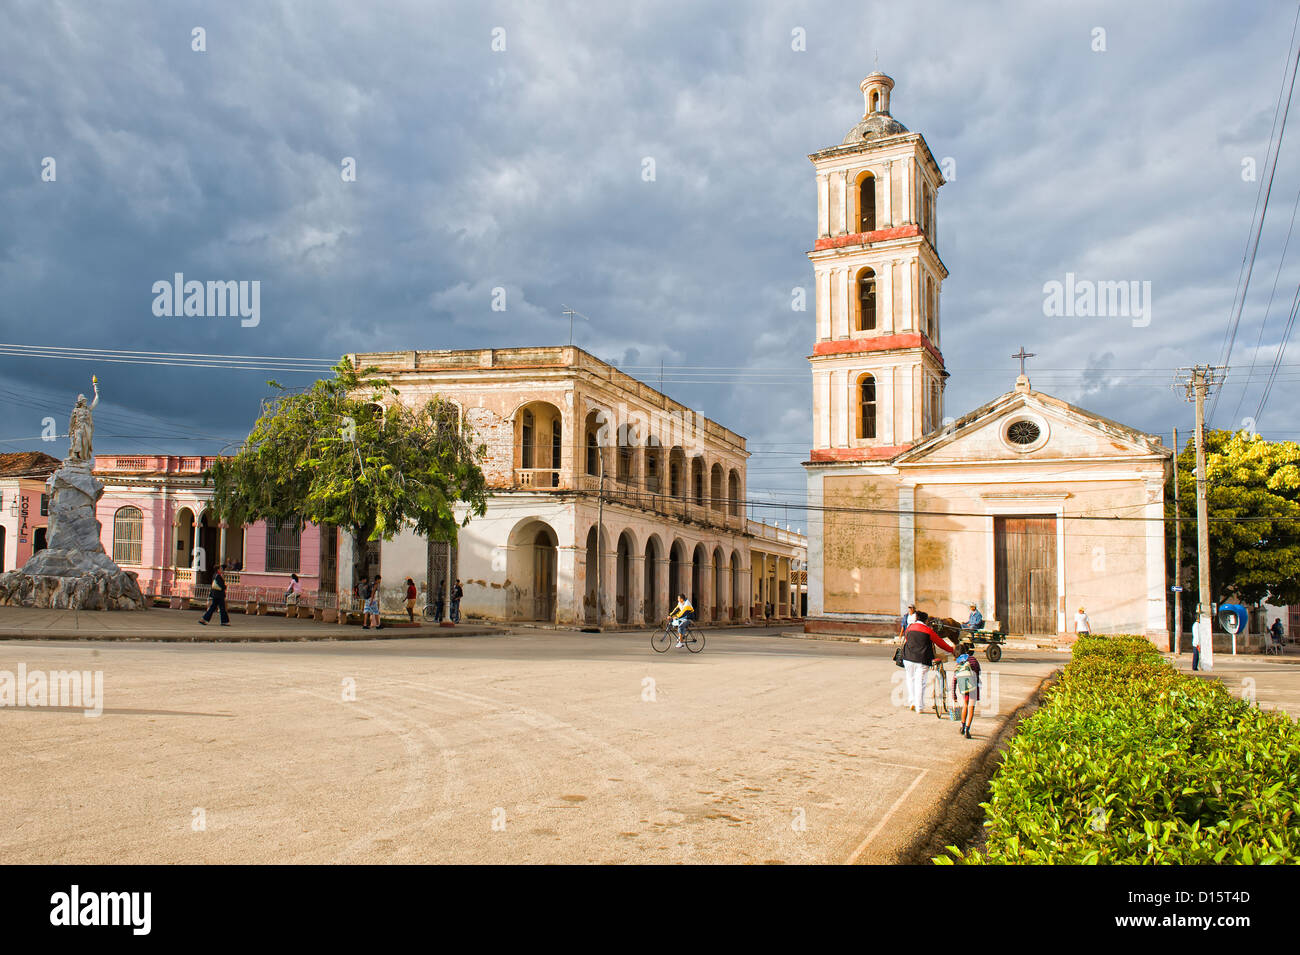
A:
x: 541, y: 746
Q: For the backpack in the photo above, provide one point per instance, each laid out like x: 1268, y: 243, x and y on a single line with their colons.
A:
x: 966, y: 678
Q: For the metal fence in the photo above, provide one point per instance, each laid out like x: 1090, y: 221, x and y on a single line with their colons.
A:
x: 239, y: 595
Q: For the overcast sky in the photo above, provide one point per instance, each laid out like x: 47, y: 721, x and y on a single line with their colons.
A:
x: 523, y: 169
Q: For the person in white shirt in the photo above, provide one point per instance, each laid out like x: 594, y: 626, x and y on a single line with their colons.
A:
x: 1082, y: 627
x: 1196, y: 644
x: 680, y: 618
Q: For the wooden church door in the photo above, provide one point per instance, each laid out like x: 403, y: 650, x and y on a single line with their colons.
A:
x: 1025, y: 574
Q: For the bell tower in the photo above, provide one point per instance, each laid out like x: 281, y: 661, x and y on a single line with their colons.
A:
x: 878, y: 374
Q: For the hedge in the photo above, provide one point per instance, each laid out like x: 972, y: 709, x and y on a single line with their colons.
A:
x: 1129, y: 761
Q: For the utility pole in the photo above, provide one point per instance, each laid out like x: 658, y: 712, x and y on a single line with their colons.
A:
x: 1178, y: 561
x: 1199, y: 380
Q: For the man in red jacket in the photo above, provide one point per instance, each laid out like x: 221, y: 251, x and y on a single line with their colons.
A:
x: 919, y: 642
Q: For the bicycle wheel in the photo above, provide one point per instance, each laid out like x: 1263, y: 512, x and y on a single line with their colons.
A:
x: 694, y: 640
x: 662, y: 639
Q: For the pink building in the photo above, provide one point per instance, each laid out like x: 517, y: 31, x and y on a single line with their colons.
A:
x: 155, y: 520
x: 24, y: 505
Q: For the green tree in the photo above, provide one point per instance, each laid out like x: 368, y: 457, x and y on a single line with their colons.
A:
x: 1253, y: 498
x: 346, y: 452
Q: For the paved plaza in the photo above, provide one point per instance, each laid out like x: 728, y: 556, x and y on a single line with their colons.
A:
x: 534, y: 746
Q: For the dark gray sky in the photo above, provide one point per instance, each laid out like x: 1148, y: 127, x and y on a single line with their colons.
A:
x: 522, y: 169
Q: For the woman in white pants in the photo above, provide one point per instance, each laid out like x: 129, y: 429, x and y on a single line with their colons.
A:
x: 919, y: 642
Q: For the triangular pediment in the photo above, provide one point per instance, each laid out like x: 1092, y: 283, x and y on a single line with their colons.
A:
x: 1028, y: 426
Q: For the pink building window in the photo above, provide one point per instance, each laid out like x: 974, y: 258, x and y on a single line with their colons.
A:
x: 282, y: 548
x: 128, y: 535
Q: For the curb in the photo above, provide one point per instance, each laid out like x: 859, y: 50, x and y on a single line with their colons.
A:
x: 239, y: 635
x: 1019, y: 645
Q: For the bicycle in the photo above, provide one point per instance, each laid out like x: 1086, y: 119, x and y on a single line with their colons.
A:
x: 666, y: 636
x: 939, y: 678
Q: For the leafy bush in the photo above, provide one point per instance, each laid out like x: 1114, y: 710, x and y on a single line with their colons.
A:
x: 1129, y: 761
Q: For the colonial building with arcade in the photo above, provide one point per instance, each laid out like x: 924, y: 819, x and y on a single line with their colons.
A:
x: 607, y: 497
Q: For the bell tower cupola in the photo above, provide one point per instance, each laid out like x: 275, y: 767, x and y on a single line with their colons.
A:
x: 875, y: 89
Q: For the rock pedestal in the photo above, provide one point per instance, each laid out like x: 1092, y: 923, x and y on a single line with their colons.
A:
x: 73, y: 572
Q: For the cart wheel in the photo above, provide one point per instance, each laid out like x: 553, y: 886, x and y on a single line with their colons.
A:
x: 994, y: 653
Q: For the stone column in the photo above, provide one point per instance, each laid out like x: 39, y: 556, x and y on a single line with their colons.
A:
x: 848, y: 203
x: 663, y: 599
x: 605, y: 595
x: 569, y: 589
x: 636, y: 589
x: 1156, y: 623
x: 906, y: 546
x: 823, y: 206
x: 885, y: 298
x: 885, y: 210
x: 886, y: 409
x: 823, y: 305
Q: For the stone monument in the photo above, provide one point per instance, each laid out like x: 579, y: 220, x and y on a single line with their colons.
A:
x: 73, y: 572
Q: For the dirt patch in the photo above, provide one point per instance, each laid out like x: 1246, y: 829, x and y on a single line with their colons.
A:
x: 961, y: 824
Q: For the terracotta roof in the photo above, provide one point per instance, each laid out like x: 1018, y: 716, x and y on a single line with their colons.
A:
x: 18, y: 463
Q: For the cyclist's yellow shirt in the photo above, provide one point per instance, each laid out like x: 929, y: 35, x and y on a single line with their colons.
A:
x: 683, y: 609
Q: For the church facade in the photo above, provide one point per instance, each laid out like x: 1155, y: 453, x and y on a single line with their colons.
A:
x: 1028, y: 507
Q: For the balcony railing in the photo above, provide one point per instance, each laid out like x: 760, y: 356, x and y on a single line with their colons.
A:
x: 537, y: 477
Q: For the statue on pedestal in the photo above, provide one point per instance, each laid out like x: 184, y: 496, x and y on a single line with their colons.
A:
x: 73, y: 572
x: 81, y: 427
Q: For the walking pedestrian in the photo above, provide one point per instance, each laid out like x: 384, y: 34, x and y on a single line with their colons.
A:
x: 1082, y: 626
x: 217, y: 598
x: 410, y: 599
x: 907, y: 619
x: 363, y: 592
x: 1196, y: 644
x: 372, y: 605
x: 457, y: 593
x: 966, y: 687
x: 918, y: 653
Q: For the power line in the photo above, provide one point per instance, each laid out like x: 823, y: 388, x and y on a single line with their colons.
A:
x: 1252, y: 243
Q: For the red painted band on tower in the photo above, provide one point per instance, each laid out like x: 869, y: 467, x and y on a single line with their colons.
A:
x: 861, y: 238
x: 857, y: 454
x: 843, y: 346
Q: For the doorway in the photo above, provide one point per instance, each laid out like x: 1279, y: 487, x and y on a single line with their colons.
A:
x: 1025, y: 573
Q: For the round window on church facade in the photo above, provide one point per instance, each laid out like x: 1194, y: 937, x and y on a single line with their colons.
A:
x: 1024, y: 434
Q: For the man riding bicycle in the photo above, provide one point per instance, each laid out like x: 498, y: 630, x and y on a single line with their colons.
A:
x: 680, y: 617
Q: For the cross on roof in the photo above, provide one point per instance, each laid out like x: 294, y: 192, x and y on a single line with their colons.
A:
x: 1022, y: 355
